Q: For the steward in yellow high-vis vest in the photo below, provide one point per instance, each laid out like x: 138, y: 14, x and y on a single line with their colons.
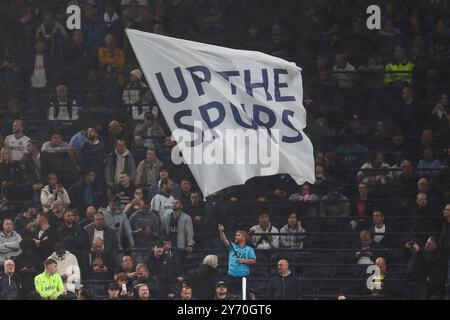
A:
x: 399, y: 70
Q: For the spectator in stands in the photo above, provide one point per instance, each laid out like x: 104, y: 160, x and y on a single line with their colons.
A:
x: 148, y: 170
x: 49, y: 284
x: 24, y: 222
x: 196, y: 210
x: 143, y: 277
x: 221, y: 292
x: 98, y: 262
x: 375, y: 171
x: 429, y: 164
x: 56, y: 214
x: 116, y: 131
x: 114, y: 292
x: 84, y: 294
x: 264, y: 226
x: 53, y: 192
x: 284, y: 285
x: 396, y: 149
x: 293, y: 240
x: 38, y: 71
x: 344, y: 72
x: 145, y: 226
x: 143, y: 292
x: 125, y: 189
x: 204, y: 279
x: 27, y: 265
x: 11, y: 175
x: 36, y: 166
x: 62, y: 108
x: 399, y: 71
x: 136, y: 203
x: 112, y: 63
x: 9, y: 241
x: 406, y: 181
x: 365, y: 254
x: 178, y: 227
x: 98, y: 229
x: 118, y: 161
x: 410, y: 114
x: 334, y: 205
x: 10, y: 283
x: 306, y: 200
x: 68, y: 268
x: 422, y: 219
x: 424, y: 272
x: 56, y: 145
x: 81, y: 57
x: 89, y: 216
x: 145, y: 105
x: 73, y: 237
x: 165, y: 265
x: 88, y: 191
x: 362, y: 210
x: 44, y: 236
x: 79, y: 139
x: 150, y: 130
x: 17, y: 141
x: 92, y: 154
x: 186, y: 189
x: 380, y: 231
x: 118, y: 222
x: 138, y: 149
x: 165, y: 152
x: 132, y: 92
x: 53, y: 32
x: 240, y: 257
x: 186, y: 293
x: 161, y: 203
x: 127, y: 267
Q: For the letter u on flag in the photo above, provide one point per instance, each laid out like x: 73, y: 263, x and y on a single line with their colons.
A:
x: 234, y: 114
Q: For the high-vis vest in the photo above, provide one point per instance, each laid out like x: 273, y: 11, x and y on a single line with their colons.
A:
x: 394, y: 72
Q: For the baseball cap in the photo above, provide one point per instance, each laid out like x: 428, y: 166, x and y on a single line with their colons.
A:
x: 113, y: 286
x: 221, y: 283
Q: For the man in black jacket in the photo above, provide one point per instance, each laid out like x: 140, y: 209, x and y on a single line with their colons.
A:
x: 424, y: 271
x: 10, y: 283
x: 92, y: 155
x: 165, y: 266
x: 28, y: 265
x: 73, y: 237
x: 284, y: 285
x: 24, y: 223
x: 99, y: 229
x: 87, y: 192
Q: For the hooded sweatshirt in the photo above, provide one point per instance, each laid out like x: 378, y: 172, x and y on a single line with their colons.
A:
x: 118, y: 217
x: 68, y: 264
x: 9, y: 246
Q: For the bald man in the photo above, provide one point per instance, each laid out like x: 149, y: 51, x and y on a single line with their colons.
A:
x: 284, y: 285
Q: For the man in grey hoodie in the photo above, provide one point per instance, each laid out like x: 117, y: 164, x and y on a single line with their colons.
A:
x: 118, y: 222
x: 145, y: 226
x: 9, y: 241
x: 118, y: 161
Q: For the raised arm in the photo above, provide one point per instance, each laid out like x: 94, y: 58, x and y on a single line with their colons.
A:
x: 223, y: 237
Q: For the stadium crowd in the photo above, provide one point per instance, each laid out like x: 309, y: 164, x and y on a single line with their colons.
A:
x: 93, y: 207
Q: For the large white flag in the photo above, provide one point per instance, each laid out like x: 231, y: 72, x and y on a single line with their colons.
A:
x: 235, y: 114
